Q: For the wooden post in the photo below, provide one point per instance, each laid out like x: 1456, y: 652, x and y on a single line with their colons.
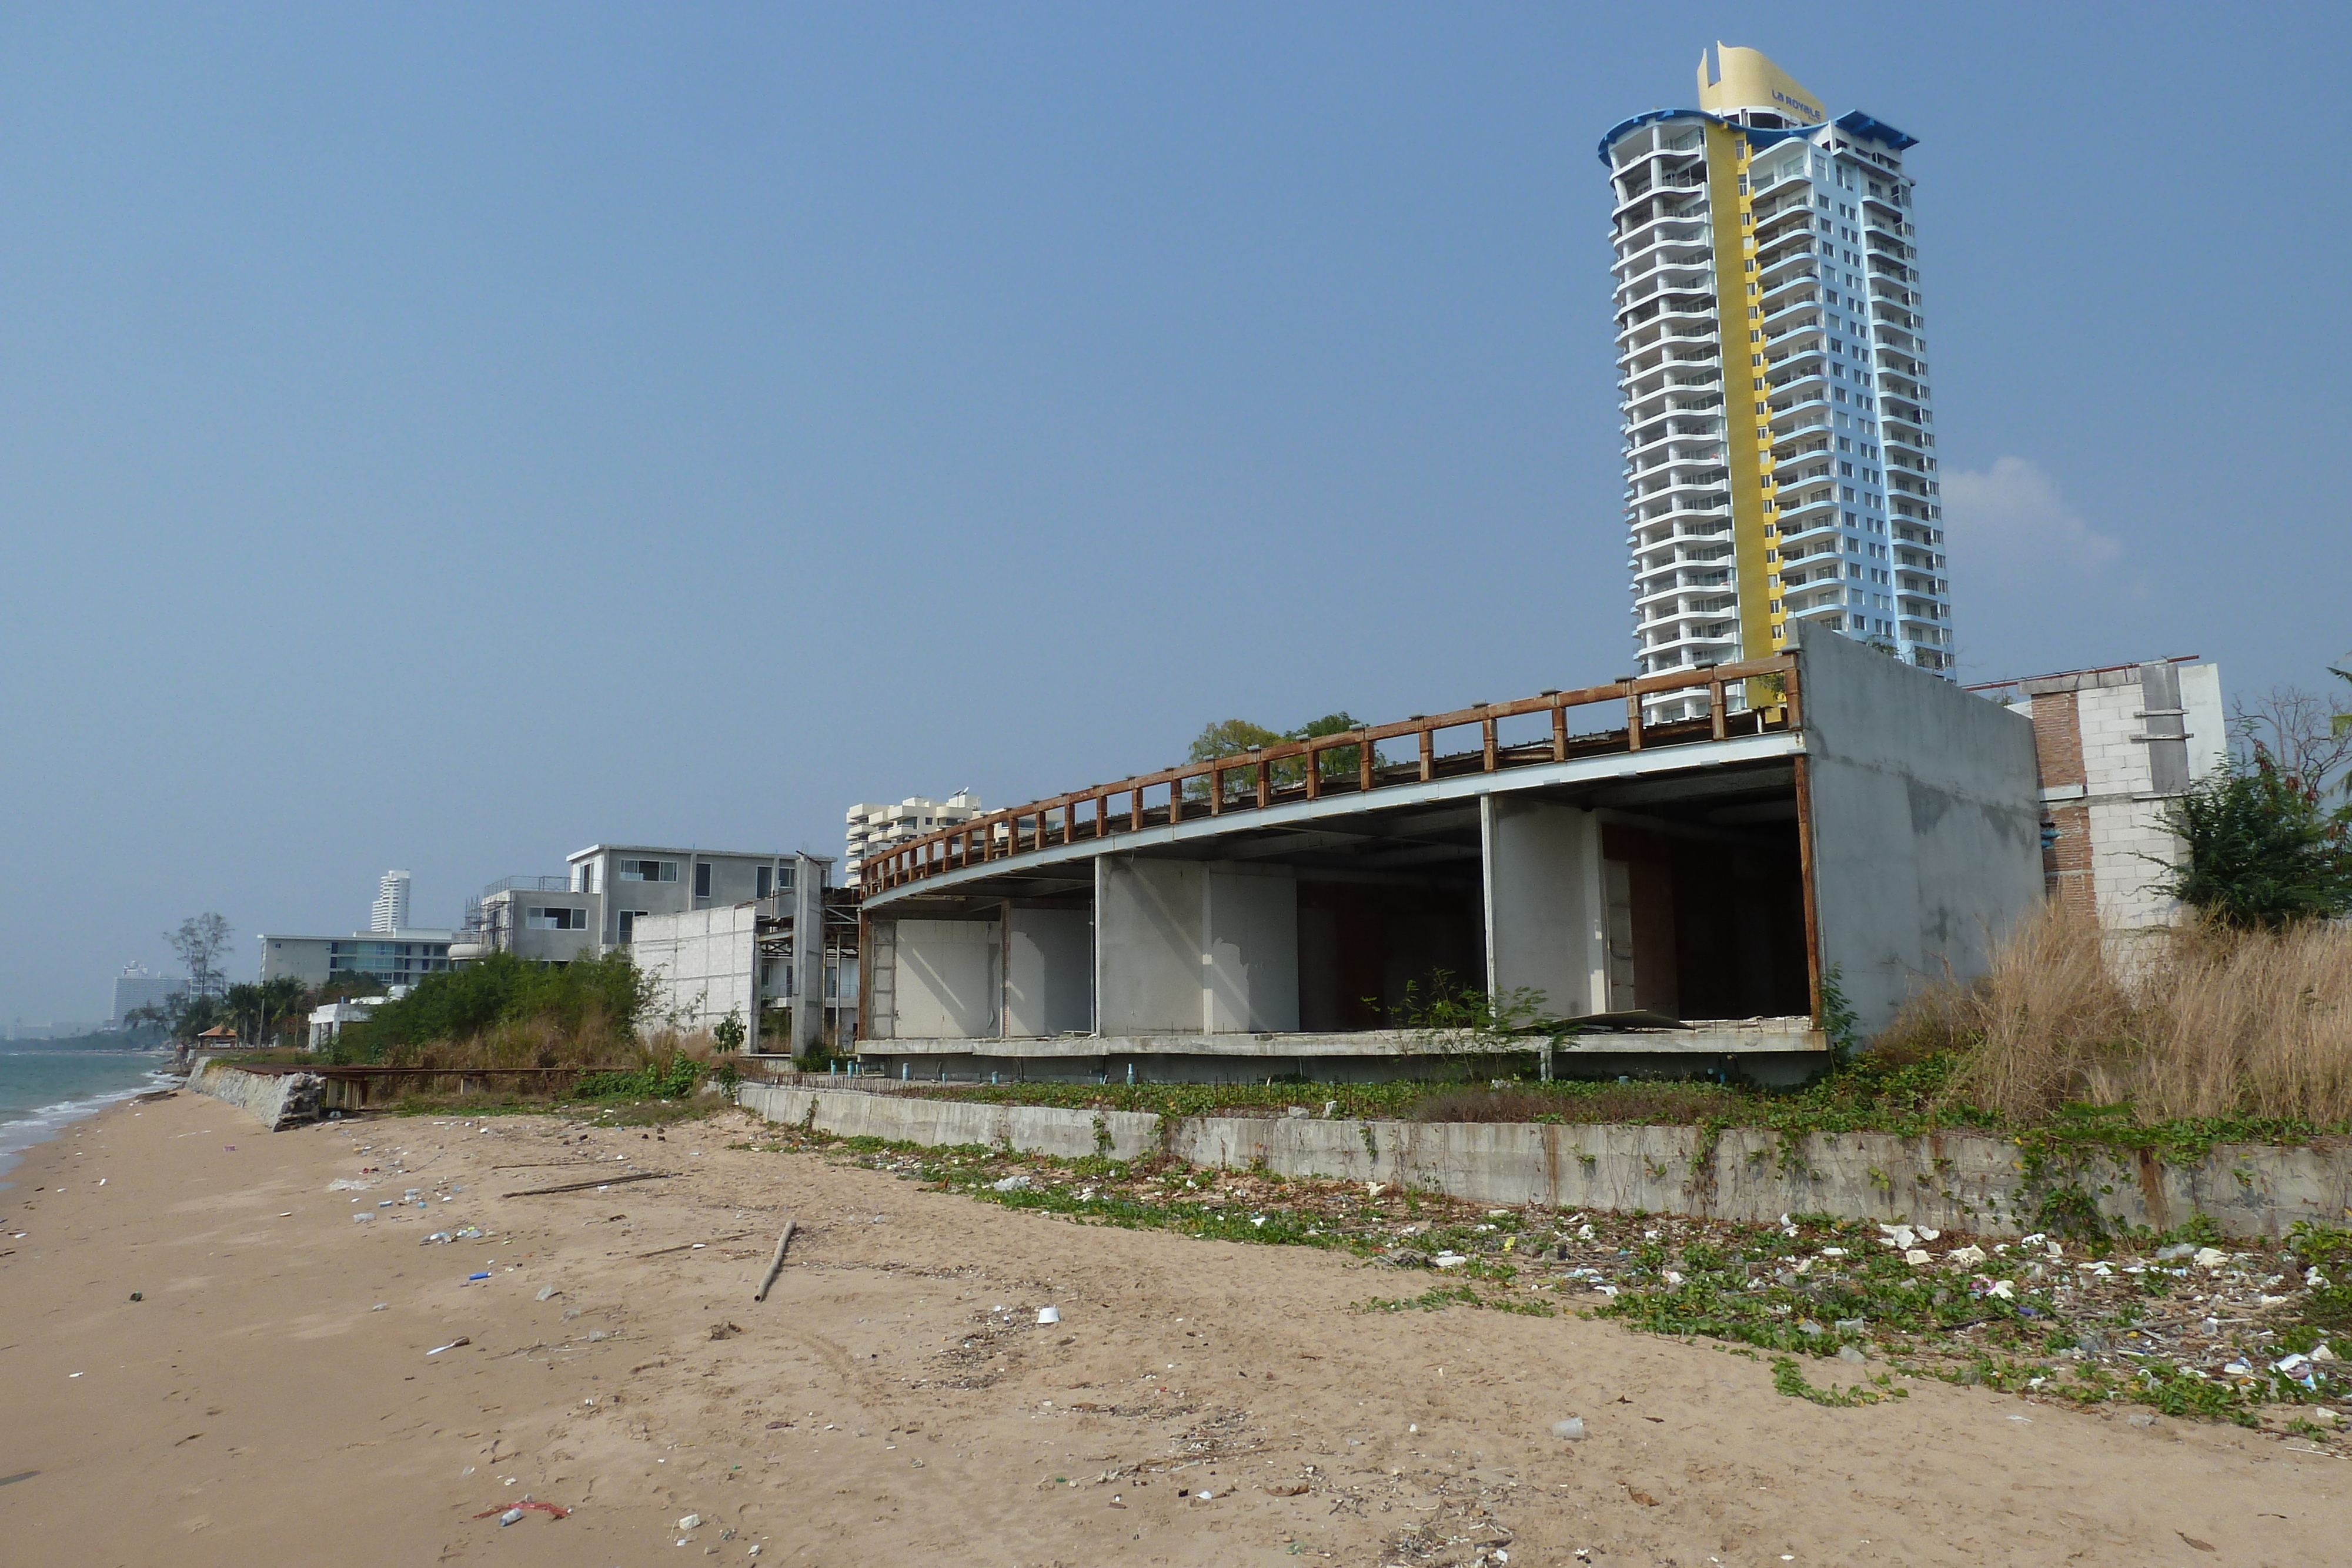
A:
x: 1487, y: 729
x: 1805, y: 863
x: 1560, y: 732
x: 1364, y: 749
x: 1216, y: 790
x: 1314, y: 774
x: 1135, y: 796
x: 1714, y: 705
x: 1632, y: 718
x: 1428, y: 754
x: 1264, y: 783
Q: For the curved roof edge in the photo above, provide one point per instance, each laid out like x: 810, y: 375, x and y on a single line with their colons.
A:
x: 1861, y: 124
x: 1760, y: 135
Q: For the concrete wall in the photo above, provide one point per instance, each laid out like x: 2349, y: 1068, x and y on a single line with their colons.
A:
x: 950, y: 978
x: 1186, y: 947
x: 1147, y: 945
x: 1546, y: 910
x: 705, y: 965
x: 1926, y: 819
x: 1976, y: 1185
x: 1249, y: 949
x: 1049, y: 971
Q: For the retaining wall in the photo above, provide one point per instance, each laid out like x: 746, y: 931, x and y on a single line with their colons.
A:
x: 1951, y: 1181
x: 277, y: 1099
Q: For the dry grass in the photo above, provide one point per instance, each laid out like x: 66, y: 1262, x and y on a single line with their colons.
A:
x: 539, y: 1042
x: 2198, y: 1023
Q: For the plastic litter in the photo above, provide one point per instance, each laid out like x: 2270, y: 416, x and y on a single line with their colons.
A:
x: 138, y: 1296
x: 472, y: 1277
x: 690, y: 1521
x: 1049, y: 1314
x: 2210, y: 1258
x: 1449, y: 1260
x: 453, y: 1345
x: 1572, y: 1429
x: 357, y: 1219
x: 511, y: 1516
x: 544, y: 1293
x: 1015, y: 1183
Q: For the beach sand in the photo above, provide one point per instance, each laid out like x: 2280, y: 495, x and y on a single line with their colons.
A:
x: 255, y: 1409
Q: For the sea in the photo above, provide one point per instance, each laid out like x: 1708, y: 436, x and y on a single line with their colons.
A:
x: 42, y: 1090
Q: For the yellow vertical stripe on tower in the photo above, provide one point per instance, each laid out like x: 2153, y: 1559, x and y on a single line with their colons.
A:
x: 1730, y: 221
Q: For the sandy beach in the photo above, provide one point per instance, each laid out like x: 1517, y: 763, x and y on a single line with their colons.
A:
x: 275, y: 1395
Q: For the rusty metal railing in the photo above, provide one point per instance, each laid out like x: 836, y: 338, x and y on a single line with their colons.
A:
x: 1309, y: 769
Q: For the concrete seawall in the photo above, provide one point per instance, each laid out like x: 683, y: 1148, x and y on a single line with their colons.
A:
x: 1959, y: 1182
x: 277, y: 1099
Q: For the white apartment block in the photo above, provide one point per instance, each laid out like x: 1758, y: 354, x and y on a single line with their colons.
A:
x: 873, y: 827
x: 2116, y: 746
x: 1778, y: 433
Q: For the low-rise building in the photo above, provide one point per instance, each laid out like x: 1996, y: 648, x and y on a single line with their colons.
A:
x: 637, y: 880
x: 328, y: 1022
x: 873, y: 827
x: 541, y: 918
x: 388, y: 958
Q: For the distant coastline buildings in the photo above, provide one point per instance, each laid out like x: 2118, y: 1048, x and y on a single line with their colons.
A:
x: 1779, y: 433
x: 138, y: 987
x: 391, y: 952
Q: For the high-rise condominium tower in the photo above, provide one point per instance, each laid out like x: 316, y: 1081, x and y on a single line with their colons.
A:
x: 391, y: 912
x: 1780, y: 446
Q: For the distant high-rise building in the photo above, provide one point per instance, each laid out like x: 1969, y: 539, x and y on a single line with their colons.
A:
x: 390, y: 903
x: 1780, y: 446
x: 138, y: 988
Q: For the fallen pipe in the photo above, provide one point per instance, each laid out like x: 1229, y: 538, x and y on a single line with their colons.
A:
x: 775, y: 1264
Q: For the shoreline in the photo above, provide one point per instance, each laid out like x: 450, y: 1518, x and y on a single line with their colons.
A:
x: 294, y: 1380
x: 21, y: 1134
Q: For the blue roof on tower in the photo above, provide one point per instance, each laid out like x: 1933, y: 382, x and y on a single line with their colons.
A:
x: 1861, y: 124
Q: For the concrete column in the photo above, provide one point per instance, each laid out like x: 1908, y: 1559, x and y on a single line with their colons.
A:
x: 1546, y: 909
x: 808, y: 954
x: 1049, y: 971
x: 947, y: 979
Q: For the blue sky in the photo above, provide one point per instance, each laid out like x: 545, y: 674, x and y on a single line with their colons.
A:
x: 448, y: 436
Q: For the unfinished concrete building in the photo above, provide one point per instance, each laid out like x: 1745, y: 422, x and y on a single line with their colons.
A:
x: 2116, y: 746
x: 1838, y: 825
x: 784, y: 966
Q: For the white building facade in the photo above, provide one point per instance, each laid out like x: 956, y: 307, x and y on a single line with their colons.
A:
x: 1779, y: 427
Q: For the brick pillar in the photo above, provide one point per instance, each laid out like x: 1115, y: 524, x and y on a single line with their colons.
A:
x: 2058, y: 754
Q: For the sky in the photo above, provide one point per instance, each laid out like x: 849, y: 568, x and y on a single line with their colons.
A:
x: 447, y: 436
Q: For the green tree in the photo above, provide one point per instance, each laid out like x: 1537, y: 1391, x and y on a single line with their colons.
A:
x: 199, y: 941
x: 2261, y: 851
x: 1238, y: 736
